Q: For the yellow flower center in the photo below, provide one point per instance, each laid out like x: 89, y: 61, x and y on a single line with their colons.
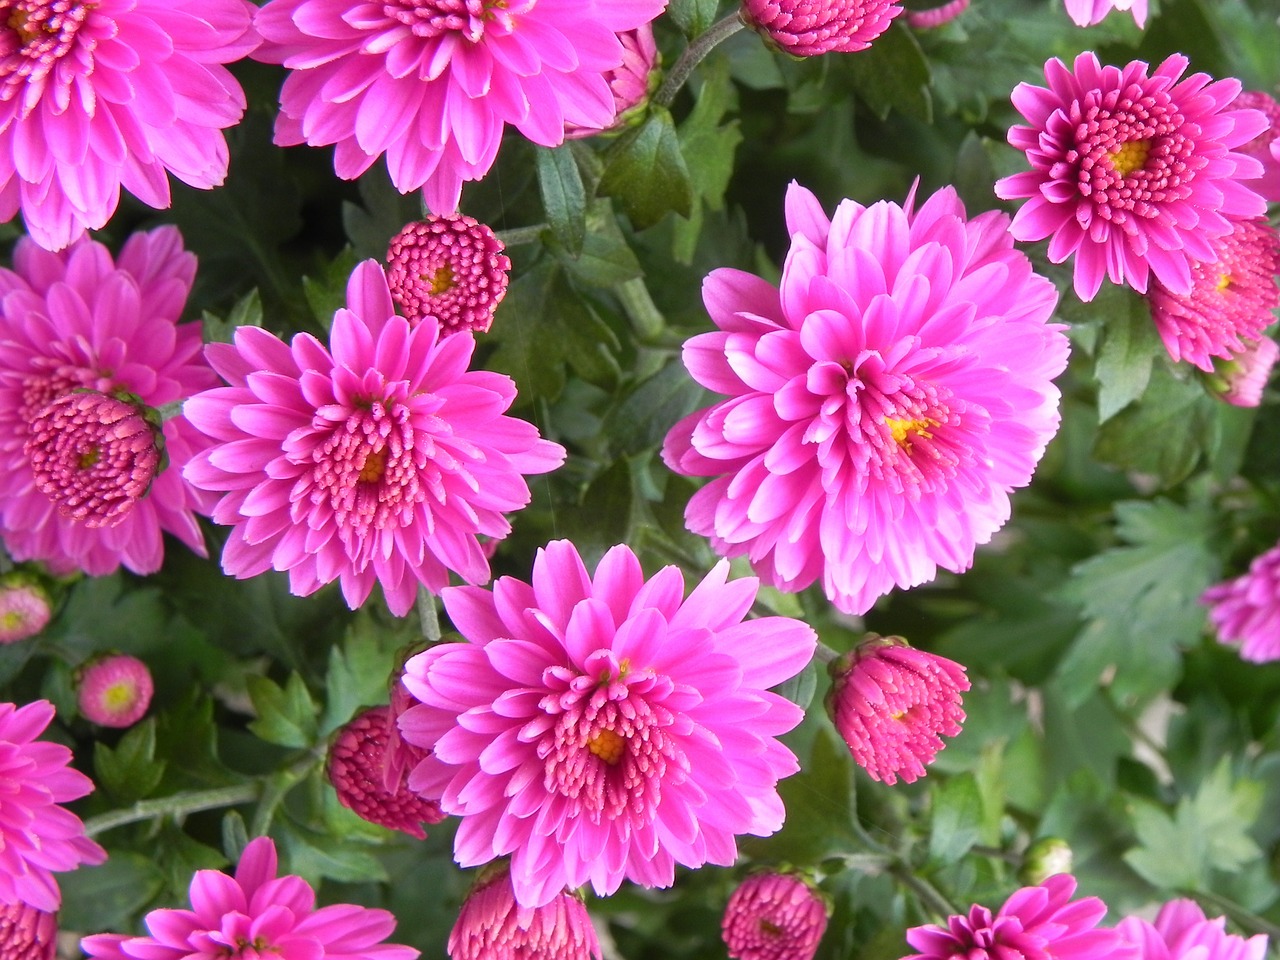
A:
x: 89, y: 457
x: 375, y: 465
x: 904, y: 430
x: 118, y: 696
x: 20, y: 22
x: 441, y: 280
x: 1224, y: 281
x: 1130, y: 156
x: 608, y: 746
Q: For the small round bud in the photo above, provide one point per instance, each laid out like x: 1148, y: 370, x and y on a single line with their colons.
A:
x: 1044, y: 858
x: 114, y: 691
x: 24, y: 608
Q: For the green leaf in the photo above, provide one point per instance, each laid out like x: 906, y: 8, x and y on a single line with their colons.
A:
x: 381, y: 214
x: 180, y: 856
x: 693, y: 16
x: 247, y: 312
x: 892, y: 74
x: 605, y: 516
x: 708, y: 148
x: 801, y: 688
x: 1130, y: 345
x: 606, y: 259
x: 314, y: 856
x: 956, y: 823
x: 130, y: 771
x: 107, y: 897
x: 286, y: 716
x: 358, y: 670
x: 645, y: 171
x: 563, y: 197
x: 642, y: 420
x: 235, y: 835
x: 328, y: 291
x: 520, y: 326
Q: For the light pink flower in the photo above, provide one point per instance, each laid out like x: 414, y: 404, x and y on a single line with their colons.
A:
x: 1132, y: 173
x: 1241, y: 380
x: 628, y: 82
x: 433, y: 83
x: 38, y: 838
x: 1038, y: 923
x: 806, y: 28
x: 1086, y: 13
x: 357, y: 766
x: 893, y: 704
x: 95, y: 96
x: 492, y: 926
x: 774, y: 916
x: 1182, y: 932
x: 1266, y: 145
x: 114, y: 691
x: 378, y: 459
x: 605, y: 728
x: 882, y: 404
x: 27, y: 933
x: 79, y: 321
x: 936, y: 16
x: 1231, y: 299
x: 24, y: 608
x: 1246, y: 610
x: 252, y: 915
x: 451, y: 268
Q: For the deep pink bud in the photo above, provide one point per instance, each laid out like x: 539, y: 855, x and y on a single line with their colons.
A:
x: 114, y: 691
x: 806, y: 28
x: 1241, y: 380
x: 24, y: 608
x: 1264, y: 146
x: 1246, y: 609
x: 629, y: 82
x: 492, y: 926
x: 774, y: 916
x: 936, y: 16
x: 27, y: 933
x: 893, y: 704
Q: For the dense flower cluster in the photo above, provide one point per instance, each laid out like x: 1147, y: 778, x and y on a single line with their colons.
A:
x: 806, y: 28
x: 1246, y: 610
x: 27, y: 933
x: 493, y: 926
x: 774, y: 916
x: 451, y: 268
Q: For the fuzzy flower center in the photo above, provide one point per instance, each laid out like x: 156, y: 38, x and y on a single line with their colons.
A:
x: 119, y: 696
x: 1130, y: 156
x: 36, y: 34
x: 470, y: 18
x: 451, y: 268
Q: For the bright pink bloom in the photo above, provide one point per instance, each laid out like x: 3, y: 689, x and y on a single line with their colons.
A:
x: 1132, y: 173
x: 451, y: 268
x: 806, y: 28
x: 27, y: 933
x: 936, y: 16
x: 114, y: 691
x: 893, y: 704
x: 492, y: 926
x: 629, y: 82
x: 1086, y: 13
x: 433, y: 83
x: 1241, y: 380
x: 774, y: 916
x: 357, y: 766
x: 882, y: 404
x: 24, y: 608
x: 1037, y: 923
x: 1231, y: 299
x: 380, y: 461
x: 1246, y: 610
x: 96, y: 95
x: 252, y: 915
x: 1266, y: 145
x: 37, y: 836
x: 79, y: 321
x: 1182, y: 932
x: 607, y: 728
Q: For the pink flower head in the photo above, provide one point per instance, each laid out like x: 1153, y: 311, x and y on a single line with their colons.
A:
x: 1265, y: 147
x: 94, y: 455
x: 628, y: 82
x: 27, y: 933
x: 1231, y: 299
x: 936, y: 16
x: 806, y: 28
x: 357, y: 762
x: 1036, y: 923
x: 24, y: 608
x: 774, y: 916
x: 1086, y: 13
x: 433, y: 83
x: 96, y: 95
x: 1132, y: 173
x: 605, y: 728
x: 378, y: 459
x: 114, y: 691
x: 493, y: 926
x: 893, y: 704
x: 79, y: 321
x: 1182, y: 932
x: 37, y: 836
x: 1241, y: 380
x: 252, y: 915
x: 1246, y: 610
x: 882, y: 404
x: 451, y: 268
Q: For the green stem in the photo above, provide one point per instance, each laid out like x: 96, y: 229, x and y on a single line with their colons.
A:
x: 693, y: 55
x: 177, y: 804
x: 646, y: 319
x: 825, y: 654
x: 518, y: 235
x: 927, y: 892
x: 427, y: 615
x: 168, y: 411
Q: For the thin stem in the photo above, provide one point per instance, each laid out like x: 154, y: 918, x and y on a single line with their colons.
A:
x: 927, y: 892
x: 427, y: 616
x: 177, y: 804
x: 646, y: 319
x: 693, y: 55
x: 825, y: 654
x: 518, y: 235
x: 168, y: 411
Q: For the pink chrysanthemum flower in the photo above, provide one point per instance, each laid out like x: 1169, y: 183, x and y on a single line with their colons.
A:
x: 893, y: 704
x: 451, y: 268
x: 379, y: 459
x: 1038, y: 923
x: 774, y: 916
x: 114, y: 691
x: 27, y: 933
x: 433, y: 83
x: 37, y: 836
x: 1182, y: 932
x: 1265, y: 147
x: 78, y: 321
x: 1241, y: 380
x: 605, y: 728
x: 252, y: 915
x: 1132, y: 173
x: 492, y: 926
x: 936, y: 16
x: 882, y: 404
x: 807, y: 28
x: 1231, y: 299
x: 24, y: 608
x: 96, y: 95
x: 629, y: 82
x: 1246, y: 610
x: 1086, y: 13
x: 357, y: 766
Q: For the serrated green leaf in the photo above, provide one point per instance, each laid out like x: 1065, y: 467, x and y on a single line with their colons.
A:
x: 285, y: 716
x: 314, y: 856
x: 709, y: 148
x: 956, y: 821
x: 1128, y: 348
x: 327, y: 291
x: 246, y: 312
x: 693, y: 16
x: 106, y: 897
x: 643, y: 418
x: 893, y: 74
x: 130, y: 771
x: 358, y: 670
x: 645, y: 171
x: 564, y: 199
x: 181, y: 855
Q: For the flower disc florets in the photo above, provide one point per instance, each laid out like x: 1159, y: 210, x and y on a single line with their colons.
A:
x: 493, y: 926
x: 114, y: 691
x: 451, y: 268
x: 27, y: 933
x: 774, y: 916
x: 601, y: 728
x: 806, y: 28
